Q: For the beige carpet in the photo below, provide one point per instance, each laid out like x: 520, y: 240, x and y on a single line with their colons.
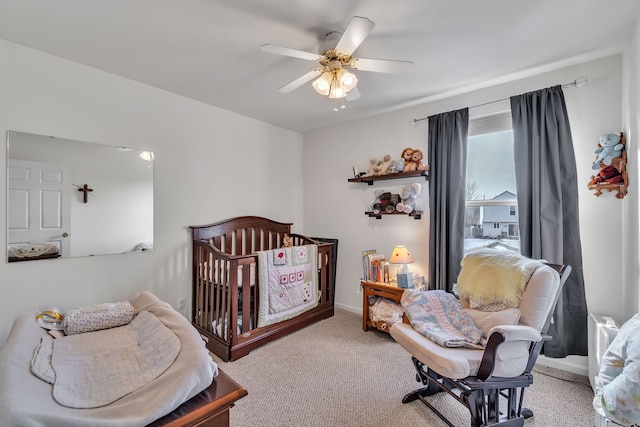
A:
x: 334, y: 374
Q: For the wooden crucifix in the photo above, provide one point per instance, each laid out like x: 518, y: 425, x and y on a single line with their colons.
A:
x: 86, y: 190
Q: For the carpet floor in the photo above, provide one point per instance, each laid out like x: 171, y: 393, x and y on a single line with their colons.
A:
x: 333, y: 373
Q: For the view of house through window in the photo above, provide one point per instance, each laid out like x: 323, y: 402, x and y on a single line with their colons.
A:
x: 491, y: 213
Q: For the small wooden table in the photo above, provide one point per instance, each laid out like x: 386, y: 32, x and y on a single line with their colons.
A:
x: 209, y: 408
x: 385, y: 290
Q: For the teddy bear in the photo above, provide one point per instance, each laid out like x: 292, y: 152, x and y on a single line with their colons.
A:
x: 408, y: 198
x: 609, y: 148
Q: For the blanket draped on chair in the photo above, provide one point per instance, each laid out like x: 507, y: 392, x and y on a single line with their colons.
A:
x: 439, y: 316
x: 287, y: 280
x: 493, y: 276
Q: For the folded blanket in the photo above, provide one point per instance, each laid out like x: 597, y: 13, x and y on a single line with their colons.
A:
x: 94, y: 369
x: 439, y: 316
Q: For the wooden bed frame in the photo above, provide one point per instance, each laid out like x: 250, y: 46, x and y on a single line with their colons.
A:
x: 225, y: 288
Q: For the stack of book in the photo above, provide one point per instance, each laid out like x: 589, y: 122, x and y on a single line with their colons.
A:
x: 375, y: 268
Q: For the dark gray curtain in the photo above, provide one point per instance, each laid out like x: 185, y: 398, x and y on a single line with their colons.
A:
x: 447, y: 176
x: 548, y: 207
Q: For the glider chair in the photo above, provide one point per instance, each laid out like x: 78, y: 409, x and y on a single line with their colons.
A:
x: 487, y: 377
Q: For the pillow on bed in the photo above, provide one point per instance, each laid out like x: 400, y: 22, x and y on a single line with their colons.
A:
x: 97, y: 317
x: 486, y: 320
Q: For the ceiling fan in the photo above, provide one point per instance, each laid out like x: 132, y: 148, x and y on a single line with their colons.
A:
x: 335, y: 55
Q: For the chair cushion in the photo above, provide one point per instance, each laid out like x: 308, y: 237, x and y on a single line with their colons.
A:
x: 458, y: 363
x: 539, y: 297
x: 488, y: 319
x: 454, y: 363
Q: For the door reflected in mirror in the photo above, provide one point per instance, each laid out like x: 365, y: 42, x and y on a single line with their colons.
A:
x: 69, y: 198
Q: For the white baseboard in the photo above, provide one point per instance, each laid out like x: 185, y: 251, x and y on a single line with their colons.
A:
x: 349, y: 308
x: 574, y: 364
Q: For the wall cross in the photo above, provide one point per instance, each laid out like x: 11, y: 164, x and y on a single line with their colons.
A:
x: 85, y: 188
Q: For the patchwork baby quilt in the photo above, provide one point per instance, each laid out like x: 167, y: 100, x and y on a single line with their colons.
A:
x: 287, y: 283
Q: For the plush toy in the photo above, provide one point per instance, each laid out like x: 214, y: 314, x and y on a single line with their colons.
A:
x: 384, y: 202
x: 607, y: 175
x: 416, y: 157
x: 386, y: 163
x: 395, y: 166
x: 609, y: 148
x: 408, y: 198
x: 379, y: 167
x: 374, y: 167
x: 406, y: 158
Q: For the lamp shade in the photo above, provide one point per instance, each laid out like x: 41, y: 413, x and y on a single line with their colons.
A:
x: 322, y: 84
x: 401, y: 255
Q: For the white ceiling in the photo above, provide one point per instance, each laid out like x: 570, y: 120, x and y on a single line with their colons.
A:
x: 208, y: 50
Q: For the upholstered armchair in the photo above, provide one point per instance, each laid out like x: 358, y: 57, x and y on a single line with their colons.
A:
x: 488, y: 376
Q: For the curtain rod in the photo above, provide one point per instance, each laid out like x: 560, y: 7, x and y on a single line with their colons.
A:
x: 579, y: 82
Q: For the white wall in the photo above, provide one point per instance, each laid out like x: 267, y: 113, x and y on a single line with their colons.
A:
x: 210, y: 164
x: 631, y: 216
x: 593, y: 110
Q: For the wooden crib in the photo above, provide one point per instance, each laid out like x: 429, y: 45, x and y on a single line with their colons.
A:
x: 225, y: 288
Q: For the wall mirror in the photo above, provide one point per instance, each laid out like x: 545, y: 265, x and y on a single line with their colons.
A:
x: 70, y: 198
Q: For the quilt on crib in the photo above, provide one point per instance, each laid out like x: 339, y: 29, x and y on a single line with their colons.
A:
x: 287, y: 281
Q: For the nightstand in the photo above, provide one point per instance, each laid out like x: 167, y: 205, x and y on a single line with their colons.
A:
x: 385, y: 290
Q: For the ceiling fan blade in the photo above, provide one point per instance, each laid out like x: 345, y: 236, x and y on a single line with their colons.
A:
x: 382, y: 65
x: 357, y: 30
x: 280, y: 50
x: 353, y: 94
x: 300, y: 81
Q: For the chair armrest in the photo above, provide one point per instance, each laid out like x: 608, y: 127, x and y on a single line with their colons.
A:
x: 517, y: 333
x: 499, y: 335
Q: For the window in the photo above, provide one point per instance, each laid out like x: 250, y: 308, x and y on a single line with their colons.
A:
x: 491, y: 214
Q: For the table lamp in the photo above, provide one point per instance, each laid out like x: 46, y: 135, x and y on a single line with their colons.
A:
x: 401, y: 255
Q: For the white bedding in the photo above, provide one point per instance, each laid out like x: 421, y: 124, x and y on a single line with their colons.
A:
x: 26, y: 400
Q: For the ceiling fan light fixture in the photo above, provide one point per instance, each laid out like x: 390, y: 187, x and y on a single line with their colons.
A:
x: 347, y: 80
x: 336, y: 91
x: 322, y: 84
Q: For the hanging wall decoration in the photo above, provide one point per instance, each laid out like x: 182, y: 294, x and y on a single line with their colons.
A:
x: 610, y: 165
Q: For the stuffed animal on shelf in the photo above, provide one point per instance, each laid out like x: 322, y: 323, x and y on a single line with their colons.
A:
x: 386, y: 163
x: 384, y: 202
x: 374, y: 167
x: 379, y: 167
x: 416, y: 158
x: 406, y: 158
x: 609, y: 148
x: 409, y: 198
x: 396, y: 166
x: 607, y: 175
